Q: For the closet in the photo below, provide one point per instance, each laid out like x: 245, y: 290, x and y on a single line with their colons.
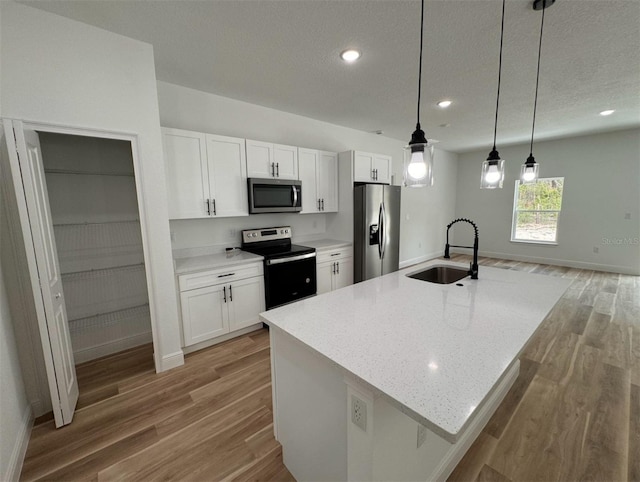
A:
x: 94, y: 210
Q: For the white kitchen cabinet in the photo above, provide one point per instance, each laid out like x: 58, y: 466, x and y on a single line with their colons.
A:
x: 266, y: 160
x: 370, y: 167
x: 206, y: 174
x: 230, y: 301
x: 318, y: 171
x: 334, y: 269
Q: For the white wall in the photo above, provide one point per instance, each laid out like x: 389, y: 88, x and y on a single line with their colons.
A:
x: 602, y: 184
x: 15, y: 413
x: 190, y: 109
x: 59, y: 71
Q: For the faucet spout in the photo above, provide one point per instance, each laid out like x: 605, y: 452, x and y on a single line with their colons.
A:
x: 473, y: 266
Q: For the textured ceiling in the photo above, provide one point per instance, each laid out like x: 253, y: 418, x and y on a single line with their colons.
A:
x: 284, y: 54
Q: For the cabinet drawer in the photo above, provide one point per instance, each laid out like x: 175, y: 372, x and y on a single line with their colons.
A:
x: 334, y: 254
x: 213, y: 277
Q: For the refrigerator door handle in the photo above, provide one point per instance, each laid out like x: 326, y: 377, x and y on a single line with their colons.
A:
x: 383, y: 222
x: 380, y: 221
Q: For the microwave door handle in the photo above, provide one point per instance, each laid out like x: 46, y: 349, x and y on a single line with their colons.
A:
x: 295, y: 195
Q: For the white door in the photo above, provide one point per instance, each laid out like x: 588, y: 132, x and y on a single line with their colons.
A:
x: 362, y: 167
x: 204, y: 313
x: 344, y: 273
x: 307, y: 162
x: 286, y: 159
x: 45, y: 270
x: 382, y: 168
x: 246, y: 302
x: 324, y: 276
x: 185, y: 157
x: 260, y: 162
x: 328, y: 181
x: 227, y: 176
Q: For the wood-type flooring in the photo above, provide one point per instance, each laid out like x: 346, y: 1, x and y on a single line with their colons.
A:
x: 572, y: 415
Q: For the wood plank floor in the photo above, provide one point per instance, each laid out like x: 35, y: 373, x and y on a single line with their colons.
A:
x: 573, y: 413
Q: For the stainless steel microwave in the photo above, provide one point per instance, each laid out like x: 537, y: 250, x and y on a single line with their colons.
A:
x: 274, y: 196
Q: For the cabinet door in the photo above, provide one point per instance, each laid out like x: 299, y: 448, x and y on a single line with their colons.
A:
x: 286, y: 160
x: 362, y: 167
x: 328, y: 181
x: 204, y: 313
x: 324, y: 276
x: 227, y: 176
x: 307, y: 168
x: 344, y: 273
x: 260, y: 159
x: 185, y: 157
x: 246, y: 301
x: 382, y: 167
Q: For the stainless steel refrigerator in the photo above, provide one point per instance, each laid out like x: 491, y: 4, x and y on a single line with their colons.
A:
x: 376, y: 230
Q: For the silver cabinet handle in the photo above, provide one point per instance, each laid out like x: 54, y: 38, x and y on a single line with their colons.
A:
x: 273, y: 170
x: 224, y: 293
x: 338, y: 267
x: 230, y: 294
x: 318, y: 204
x: 213, y: 202
x: 373, y: 174
x: 323, y: 204
x: 225, y: 275
x: 277, y: 169
x: 334, y: 268
x: 208, y: 208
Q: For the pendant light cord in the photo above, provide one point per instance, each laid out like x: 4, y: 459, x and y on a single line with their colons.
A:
x: 420, y: 67
x: 495, y: 128
x: 535, y: 101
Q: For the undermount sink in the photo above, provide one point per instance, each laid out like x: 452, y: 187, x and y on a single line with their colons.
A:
x: 440, y: 274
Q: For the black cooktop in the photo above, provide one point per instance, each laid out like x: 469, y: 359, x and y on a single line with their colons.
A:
x: 280, y: 250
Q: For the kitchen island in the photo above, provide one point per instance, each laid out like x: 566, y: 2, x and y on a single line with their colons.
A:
x: 394, y: 378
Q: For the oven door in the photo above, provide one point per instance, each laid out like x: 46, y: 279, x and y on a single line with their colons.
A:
x: 289, y: 279
x: 274, y: 196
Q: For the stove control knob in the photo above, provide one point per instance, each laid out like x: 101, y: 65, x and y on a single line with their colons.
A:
x: 286, y: 231
x: 282, y: 231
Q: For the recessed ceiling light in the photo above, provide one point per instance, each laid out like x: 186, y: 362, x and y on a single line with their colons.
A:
x: 444, y: 104
x: 607, y: 112
x: 350, y: 55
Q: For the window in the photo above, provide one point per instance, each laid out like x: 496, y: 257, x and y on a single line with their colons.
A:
x: 536, y: 209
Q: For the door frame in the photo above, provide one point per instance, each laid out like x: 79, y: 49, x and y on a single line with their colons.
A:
x: 142, y: 209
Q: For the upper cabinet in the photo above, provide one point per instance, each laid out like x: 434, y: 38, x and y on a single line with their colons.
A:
x: 206, y: 175
x: 318, y: 171
x: 266, y: 160
x: 369, y: 167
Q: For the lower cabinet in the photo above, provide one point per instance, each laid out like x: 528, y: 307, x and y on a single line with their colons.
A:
x: 221, y: 308
x: 334, y: 269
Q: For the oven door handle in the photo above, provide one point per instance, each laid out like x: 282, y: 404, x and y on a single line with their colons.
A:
x: 290, y: 259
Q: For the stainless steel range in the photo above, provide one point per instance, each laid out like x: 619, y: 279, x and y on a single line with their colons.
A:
x: 289, y: 269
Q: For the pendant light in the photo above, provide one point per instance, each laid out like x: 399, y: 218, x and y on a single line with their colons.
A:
x: 492, y: 174
x: 529, y: 170
x: 418, y: 154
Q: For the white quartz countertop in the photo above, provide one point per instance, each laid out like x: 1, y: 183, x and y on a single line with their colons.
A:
x: 435, y: 351
x: 214, y: 261
x: 325, y: 244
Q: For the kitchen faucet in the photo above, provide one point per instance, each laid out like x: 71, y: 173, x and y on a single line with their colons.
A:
x: 473, y: 267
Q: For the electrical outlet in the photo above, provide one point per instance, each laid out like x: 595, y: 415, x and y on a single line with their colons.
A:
x: 422, y: 435
x: 359, y: 412
x: 596, y: 249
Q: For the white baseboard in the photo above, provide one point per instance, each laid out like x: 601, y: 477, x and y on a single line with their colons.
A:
x: 420, y: 259
x: 20, y: 447
x: 114, y: 346
x: 170, y: 361
x: 610, y: 268
x: 220, y: 339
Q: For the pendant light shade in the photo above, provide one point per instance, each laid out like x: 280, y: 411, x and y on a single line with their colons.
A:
x: 418, y: 154
x: 492, y: 175
x: 529, y: 170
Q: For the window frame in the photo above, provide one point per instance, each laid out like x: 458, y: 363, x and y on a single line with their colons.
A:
x: 515, y: 211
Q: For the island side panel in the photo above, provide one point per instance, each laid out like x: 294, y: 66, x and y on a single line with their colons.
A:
x: 309, y: 410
